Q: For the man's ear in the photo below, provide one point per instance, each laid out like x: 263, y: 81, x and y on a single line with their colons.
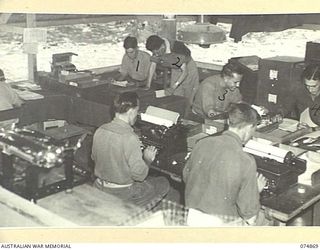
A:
x: 130, y: 110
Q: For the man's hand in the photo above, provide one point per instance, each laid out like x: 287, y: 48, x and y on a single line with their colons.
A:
x: 264, y: 110
x: 262, y: 181
x: 149, y: 154
x: 302, y: 125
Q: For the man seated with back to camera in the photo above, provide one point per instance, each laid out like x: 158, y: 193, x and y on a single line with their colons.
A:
x: 221, y: 179
x: 135, y: 63
x: 216, y: 92
x: 120, y: 166
x: 8, y: 100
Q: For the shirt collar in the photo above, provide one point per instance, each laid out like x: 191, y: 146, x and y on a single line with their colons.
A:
x: 121, y: 123
x: 234, y: 136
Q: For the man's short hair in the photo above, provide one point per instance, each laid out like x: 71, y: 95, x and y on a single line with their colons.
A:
x: 125, y: 101
x: 311, y: 72
x: 130, y: 42
x: 2, y: 78
x: 230, y: 68
x: 181, y: 48
x: 154, y: 42
x: 242, y: 114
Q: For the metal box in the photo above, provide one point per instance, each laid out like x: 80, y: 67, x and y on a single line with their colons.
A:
x: 278, y: 77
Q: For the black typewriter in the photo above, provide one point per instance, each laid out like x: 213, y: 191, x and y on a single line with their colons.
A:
x: 280, y: 167
x: 171, y: 143
x: 280, y: 176
x: 35, y: 165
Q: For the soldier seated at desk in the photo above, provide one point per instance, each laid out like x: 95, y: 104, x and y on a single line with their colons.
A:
x: 8, y: 100
x: 216, y: 92
x: 135, y: 63
x: 307, y: 97
x: 120, y: 166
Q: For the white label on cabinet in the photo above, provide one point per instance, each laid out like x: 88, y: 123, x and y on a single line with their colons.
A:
x: 273, y: 74
x: 272, y: 98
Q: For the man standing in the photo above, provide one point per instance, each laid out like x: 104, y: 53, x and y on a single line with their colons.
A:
x: 120, y: 166
x: 135, y: 63
x: 216, y: 92
x: 158, y: 47
x: 221, y: 179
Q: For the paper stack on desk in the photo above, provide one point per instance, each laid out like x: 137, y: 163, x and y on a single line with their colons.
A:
x: 122, y: 83
x: 160, y: 116
x: 289, y: 125
x: 26, y: 85
x: 28, y: 95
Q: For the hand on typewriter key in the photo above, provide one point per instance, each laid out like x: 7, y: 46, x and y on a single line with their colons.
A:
x: 302, y: 125
x: 262, y: 181
x: 149, y: 154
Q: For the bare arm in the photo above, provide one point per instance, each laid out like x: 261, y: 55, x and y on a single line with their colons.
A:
x: 184, y: 73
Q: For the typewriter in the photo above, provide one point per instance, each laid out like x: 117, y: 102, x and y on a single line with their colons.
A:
x: 34, y: 154
x: 65, y: 71
x: 281, y: 167
x: 161, y: 128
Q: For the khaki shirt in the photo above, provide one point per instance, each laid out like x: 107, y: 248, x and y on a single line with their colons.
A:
x: 8, y: 100
x: 138, y: 68
x: 221, y: 178
x: 211, y: 95
x: 117, y: 154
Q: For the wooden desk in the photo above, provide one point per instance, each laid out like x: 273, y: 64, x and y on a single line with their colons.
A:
x: 88, y: 206
x: 290, y: 204
x: 105, y: 93
x: 60, y: 107
x: 18, y: 212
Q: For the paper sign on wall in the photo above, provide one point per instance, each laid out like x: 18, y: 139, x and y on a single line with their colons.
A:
x: 272, y: 98
x: 273, y: 74
x: 34, y: 35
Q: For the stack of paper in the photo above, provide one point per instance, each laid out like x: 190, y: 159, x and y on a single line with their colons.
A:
x: 28, y: 95
x: 289, y: 125
x: 25, y: 85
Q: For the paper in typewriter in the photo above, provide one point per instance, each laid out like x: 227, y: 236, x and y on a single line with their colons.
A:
x: 160, y: 116
x: 264, y: 150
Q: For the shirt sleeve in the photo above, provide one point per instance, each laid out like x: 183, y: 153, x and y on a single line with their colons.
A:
x: 209, y: 97
x: 238, y: 97
x: 15, y: 99
x: 248, y: 198
x: 124, y: 66
x: 139, y: 169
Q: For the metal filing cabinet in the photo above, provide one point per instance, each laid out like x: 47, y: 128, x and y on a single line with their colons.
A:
x: 312, y: 52
x: 278, y: 77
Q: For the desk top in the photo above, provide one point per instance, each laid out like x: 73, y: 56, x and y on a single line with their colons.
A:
x: 290, y: 203
x: 88, y: 206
